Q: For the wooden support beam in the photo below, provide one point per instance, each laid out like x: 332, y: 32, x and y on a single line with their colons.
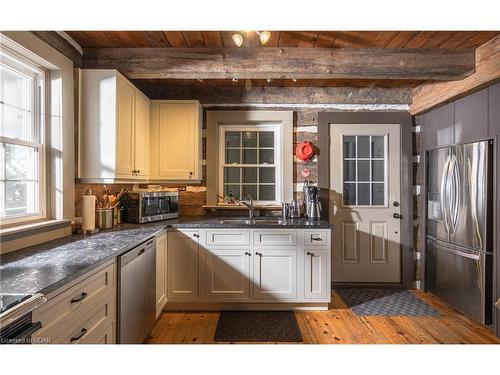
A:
x: 429, y: 95
x: 270, y: 62
x: 55, y: 40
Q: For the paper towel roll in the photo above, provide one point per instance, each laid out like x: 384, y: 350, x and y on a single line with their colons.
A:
x: 88, y: 212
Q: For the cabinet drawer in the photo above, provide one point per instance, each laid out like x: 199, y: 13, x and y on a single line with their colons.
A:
x: 92, y: 327
x: 228, y: 237
x: 315, y: 238
x: 63, y: 310
x: 275, y: 238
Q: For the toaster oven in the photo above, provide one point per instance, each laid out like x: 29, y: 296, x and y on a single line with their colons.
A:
x: 148, y: 206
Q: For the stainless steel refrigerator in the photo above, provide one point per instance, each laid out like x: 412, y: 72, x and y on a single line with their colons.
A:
x: 459, y: 246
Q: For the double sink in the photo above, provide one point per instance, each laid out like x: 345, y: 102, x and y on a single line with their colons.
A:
x: 266, y: 221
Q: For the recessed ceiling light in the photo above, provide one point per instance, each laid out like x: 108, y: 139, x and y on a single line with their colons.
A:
x: 238, y: 39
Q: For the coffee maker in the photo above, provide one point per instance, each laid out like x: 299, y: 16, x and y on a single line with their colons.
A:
x: 313, y: 205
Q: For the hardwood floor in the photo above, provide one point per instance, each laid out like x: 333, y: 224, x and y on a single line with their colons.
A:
x: 339, y: 325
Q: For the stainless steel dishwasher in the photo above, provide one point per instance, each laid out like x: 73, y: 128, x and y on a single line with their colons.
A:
x: 137, y: 293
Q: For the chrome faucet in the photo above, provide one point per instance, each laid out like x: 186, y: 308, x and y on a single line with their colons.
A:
x: 248, y: 205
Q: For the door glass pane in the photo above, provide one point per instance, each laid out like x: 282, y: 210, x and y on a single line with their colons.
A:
x: 249, y: 175
x: 378, y: 196
x: 231, y: 175
x: 267, y: 192
x: 377, y: 146
x: 349, y: 170
x: 378, y: 170
x: 363, y: 170
x: 232, y: 139
x: 363, y: 146
x: 364, y: 194
x: 249, y: 139
x: 266, y: 139
x: 350, y: 194
x: 250, y: 156
x: 349, y: 146
x: 232, y: 156
x: 267, y: 175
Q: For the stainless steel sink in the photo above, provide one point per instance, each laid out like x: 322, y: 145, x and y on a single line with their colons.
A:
x: 276, y: 221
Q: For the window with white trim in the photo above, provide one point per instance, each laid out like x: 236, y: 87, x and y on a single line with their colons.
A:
x: 22, y: 152
x: 251, y: 160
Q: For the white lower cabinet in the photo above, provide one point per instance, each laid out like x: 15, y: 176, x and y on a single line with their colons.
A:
x: 275, y: 274
x: 161, y: 274
x: 227, y: 274
x: 316, y: 284
x: 248, y: 266
x: 182, y: 265
x: 82, y: 312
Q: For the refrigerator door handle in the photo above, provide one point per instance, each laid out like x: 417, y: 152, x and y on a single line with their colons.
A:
x: 455, y: 192
x: 443, y: 193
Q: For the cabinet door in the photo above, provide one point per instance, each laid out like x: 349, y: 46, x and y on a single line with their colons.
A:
x: 315, y: 274
x: 178, y: 141
x: 275, y: 274
x: 438, y: 127
x: 228, y: 274
x: 161, y: 292
x: 141, y: 163
x: 471, y: 117
x: 182, y: 265
x: 125, y: 129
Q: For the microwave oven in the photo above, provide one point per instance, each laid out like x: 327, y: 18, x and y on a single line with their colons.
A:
x: 148, y: 206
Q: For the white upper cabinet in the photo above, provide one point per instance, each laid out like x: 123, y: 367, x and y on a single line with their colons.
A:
x: 176, y: 140
x: 114, y: 128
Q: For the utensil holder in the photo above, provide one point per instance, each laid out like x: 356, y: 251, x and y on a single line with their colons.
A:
x: 104, y: 218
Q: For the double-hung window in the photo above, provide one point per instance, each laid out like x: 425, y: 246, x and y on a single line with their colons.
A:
x: 250, y: 162
x: 22, y: 161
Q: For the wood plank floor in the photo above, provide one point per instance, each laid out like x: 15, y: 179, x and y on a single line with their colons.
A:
x: 339, y: 325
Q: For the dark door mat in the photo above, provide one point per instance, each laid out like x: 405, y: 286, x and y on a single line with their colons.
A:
x: 258, y: 326
x: 385, y: 302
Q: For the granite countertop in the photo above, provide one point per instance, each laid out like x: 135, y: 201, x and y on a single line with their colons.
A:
x: 46, y: 267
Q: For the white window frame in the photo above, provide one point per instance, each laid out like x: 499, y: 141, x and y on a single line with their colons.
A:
x: 276, y: 128
x: 26, y: 66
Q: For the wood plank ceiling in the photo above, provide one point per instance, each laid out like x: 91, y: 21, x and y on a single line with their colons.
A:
x: 308, y: 39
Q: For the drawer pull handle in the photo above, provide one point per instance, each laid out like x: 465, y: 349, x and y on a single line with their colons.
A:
x: 316, y: 239
x: 81, y: 298
x: 247, y: 253
x: 311, y: 254
x: 82, y: 333
x: 257, y: 253
x: 196, y: 235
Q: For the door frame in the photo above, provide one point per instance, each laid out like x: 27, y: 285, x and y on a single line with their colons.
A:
x: 406, y: 175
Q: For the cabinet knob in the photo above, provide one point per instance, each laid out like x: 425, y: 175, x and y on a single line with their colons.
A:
x: 257, y: 253
x: 396, y: 216
x: 190, y: 173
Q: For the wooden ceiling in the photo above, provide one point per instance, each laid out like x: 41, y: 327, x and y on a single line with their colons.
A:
x: 318, y: 39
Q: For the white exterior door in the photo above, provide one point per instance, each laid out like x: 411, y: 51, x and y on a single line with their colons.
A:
x: 182, y: 265
x: 275, y: 274
x: 365, y: 203
x: 228, y: 274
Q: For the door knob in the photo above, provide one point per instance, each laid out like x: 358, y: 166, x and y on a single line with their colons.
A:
x: 396, y: 216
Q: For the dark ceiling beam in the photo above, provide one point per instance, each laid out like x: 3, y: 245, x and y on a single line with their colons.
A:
x: 270, y: 62
x: 56, y: 41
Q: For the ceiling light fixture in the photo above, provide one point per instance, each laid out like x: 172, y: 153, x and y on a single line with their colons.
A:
x: 238, y: 39
x: 264, y: 36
